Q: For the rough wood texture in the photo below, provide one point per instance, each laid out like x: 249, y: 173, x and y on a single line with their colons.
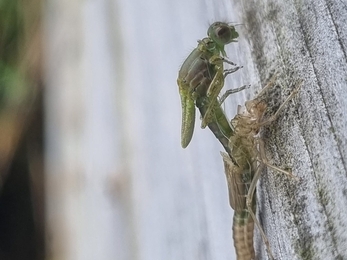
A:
x: 306, y: 40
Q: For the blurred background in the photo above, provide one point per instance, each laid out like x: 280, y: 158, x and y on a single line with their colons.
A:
x: 91, y: 165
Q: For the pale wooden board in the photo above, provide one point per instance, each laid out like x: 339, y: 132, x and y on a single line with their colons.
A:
x: 306, y: 40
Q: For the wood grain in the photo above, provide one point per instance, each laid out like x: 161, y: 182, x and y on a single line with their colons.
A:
x: 305, y: 40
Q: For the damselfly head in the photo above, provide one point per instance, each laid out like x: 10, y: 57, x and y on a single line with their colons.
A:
x: 222, y: 33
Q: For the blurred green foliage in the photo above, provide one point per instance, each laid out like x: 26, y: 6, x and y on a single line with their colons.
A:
x: 11, y: 30
x: 13, y: 82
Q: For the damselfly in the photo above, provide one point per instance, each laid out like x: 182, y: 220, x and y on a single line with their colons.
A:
x: 201, y: 79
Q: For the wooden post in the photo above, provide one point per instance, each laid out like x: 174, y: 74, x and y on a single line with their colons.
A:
x: 306, y: 41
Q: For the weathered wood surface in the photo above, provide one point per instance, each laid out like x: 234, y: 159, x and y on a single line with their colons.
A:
x: 307, y: 40
x: 121, y: 187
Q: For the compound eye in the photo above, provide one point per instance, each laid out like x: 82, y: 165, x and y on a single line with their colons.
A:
x: 222, y: 33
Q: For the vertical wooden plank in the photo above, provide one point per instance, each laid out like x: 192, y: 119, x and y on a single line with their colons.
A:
x: 81, y: 128
x: 304, y: 40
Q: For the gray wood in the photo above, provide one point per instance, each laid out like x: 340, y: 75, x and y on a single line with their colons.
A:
x: 304, y: 40
x: 81, y: 148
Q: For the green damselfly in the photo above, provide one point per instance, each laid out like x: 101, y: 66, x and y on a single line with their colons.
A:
x: 200, y: 81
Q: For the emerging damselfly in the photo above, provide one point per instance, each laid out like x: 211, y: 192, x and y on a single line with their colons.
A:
x: 200, y: 81
x: 247, y: 150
